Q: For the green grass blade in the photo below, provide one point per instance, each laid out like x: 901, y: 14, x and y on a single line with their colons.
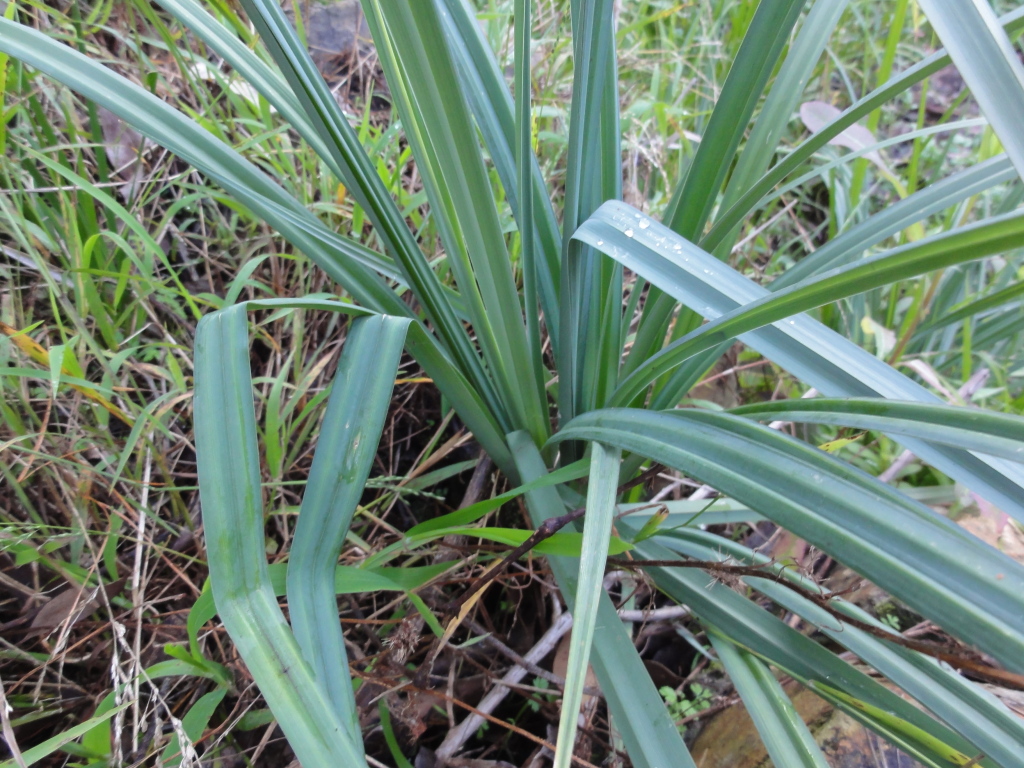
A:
x: 229, y: 480
x: 639, y: 713
x: 702, y: 180
x: 593, y: 44
x: 1008, y: 296
x: 193, y: 723
x: 597, y: 531
x: 782, y: 730
x: 944, y: 573
x: 424, y: 85
x: 851, y: 244
x: 525, y: 162
x: 783, y: 98
x: 752, y: 199
x: 474, y: 512
x: 762, y: 45
x: 809, y: 350
x: 346, y: 261
x: 848, y: 246
x: 41, y: 751
x: 356, y: 410
x: 973, y: 429
x: 988, y: 63
x: 584, y: 275
x: 249, y: 66
x: 966, y: 707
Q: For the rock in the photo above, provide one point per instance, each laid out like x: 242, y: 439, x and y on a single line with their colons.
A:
x: 730, y: 739
x: 337, y: 35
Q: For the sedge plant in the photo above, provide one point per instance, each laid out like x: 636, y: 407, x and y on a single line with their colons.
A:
x: 567, y: 349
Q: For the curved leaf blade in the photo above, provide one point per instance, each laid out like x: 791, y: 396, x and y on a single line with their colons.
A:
x: 974, y: 429
x: 820, y: 357
x: 753, y: 628
x: 965, y: 707
x: 346, y: 448
x: 783, y: 731
x: 966, y: 586
x: 229, y: 480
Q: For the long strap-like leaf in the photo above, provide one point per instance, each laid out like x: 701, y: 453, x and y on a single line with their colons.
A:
x: 975, y: 429
x: 320, y: 110
x: 749, y: 201
x: 949, y: 576
x: 783, y: 731
x: 412, y: 49
x: 356, y: 410
x: 965, y: 706
x: 751, y: 627
x: 229, y: 483
x: 597, y: 531
x: 697, y: 192
x: 485, y: 87
x: 817, y: 355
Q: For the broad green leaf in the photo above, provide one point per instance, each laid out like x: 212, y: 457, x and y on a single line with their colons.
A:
x: 813, y: 353
x: 851, y: 244
x: 424, y: 86
x: 525, y: 163
x: 976, y: 241
x: 965, y: 706
x: 1012, y: 296
x: 751, y: 627
x: 969, y: 588
x: 487, y: 91
x: 697, y: 192
x: 349, y: 435
x: 229, y: 480
x: 320, y: 109
x: 587, y: 281
x: 896, y: 725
